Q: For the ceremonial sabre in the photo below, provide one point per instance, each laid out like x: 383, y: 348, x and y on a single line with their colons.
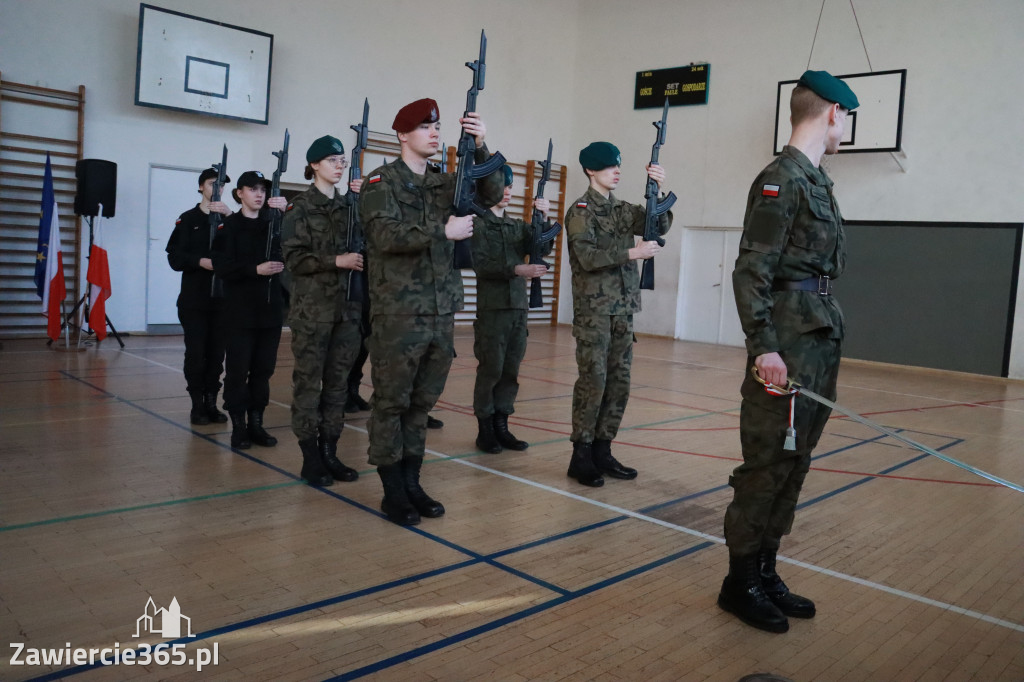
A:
x: 793, y: 387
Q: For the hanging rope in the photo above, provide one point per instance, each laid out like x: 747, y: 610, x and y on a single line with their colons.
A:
x: 816, y: 27
x: 862, y: 43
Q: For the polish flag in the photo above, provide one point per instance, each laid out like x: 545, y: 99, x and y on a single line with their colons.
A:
x: 49, y: 275
x: 98, y: 276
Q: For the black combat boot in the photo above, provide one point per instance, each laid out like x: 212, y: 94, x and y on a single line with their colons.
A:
x: 607, y: 464
x: 743, y: 595
x: 581, y: 466
x: 328, y: 444
x: 313, y: 471
x: 434, y: 423
x: 239, y: 433
x: 793, y: 605
x: 485, y: 439
x: 506, y: 439
x: 419, y: 498
x: 210, y: 403
x: 198, y: 414
x: 396, y: 501
x: 256, y: 432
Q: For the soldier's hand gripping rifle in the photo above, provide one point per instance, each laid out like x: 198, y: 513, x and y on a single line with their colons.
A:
x: 217, y: 286
x: 356, y: 238
x: 655, y: 207
x: 469, y: 171
x: 543, y: 233
x: 277, y: 215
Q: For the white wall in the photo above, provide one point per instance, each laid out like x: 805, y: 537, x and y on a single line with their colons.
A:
x: 566, y: 69
x: 328, y: 56
x: 962, y: 134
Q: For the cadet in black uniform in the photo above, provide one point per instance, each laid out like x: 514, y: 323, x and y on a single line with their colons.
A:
x: 188, y: 252
x: 253, y: 308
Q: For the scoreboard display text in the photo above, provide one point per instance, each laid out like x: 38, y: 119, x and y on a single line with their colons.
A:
x: 681, y: 84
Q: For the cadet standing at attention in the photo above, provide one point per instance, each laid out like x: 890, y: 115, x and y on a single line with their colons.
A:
x: 792, y: 248
x: 253, y: 309
x: 325, y: 325
x: 188, y: 252
x: 500, y: 243
x: 605, y: 294
x: 406, y: 208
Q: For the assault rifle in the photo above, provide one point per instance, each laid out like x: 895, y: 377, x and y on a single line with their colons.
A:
x: 542, y: 233
x: 216, y: 285
x: 469, y: 171
x: 655, y: 207
x: 274, y: 233
x: 356, y: 238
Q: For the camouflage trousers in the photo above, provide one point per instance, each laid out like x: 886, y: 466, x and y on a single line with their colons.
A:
x: 324, y: 353
x: 766, y: 487
x: 410, y: 356
x: 499, y: 344
x: 604, y: 354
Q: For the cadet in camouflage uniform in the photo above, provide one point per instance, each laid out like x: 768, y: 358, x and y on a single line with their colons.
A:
x: 792, y: 247
x: 325, y: 326
x: 406, y: 208
x: 500, y: 243
x: 605, y: 294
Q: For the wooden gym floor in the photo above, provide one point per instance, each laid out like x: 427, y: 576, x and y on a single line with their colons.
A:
x: 109, y: 497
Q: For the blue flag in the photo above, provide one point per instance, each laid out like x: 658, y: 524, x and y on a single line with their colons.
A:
x: 45, y: 220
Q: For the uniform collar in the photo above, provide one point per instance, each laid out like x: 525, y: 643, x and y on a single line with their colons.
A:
x: 318, y: 198
x: 430, y: 178
x: 594, y: 197
x: 817, y: 175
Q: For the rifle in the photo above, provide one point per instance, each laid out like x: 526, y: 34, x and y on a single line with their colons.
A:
x: 655, y: 207
x: 469, y: 171
x: 539, y: 247
x: 274, y: 233
x: 217, y: 286
x: 356, y: 238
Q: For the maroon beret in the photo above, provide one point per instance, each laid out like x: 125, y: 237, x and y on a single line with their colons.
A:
x: 411, y: 115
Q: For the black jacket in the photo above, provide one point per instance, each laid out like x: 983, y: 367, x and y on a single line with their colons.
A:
x: 240, y: 246
x: 189, y: 242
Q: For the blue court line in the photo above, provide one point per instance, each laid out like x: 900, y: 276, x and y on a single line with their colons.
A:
x: 565, y: 595
x: 511, y: 618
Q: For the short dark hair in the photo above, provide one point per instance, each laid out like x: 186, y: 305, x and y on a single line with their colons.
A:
x: 308, y: 172
x: 805, y: 104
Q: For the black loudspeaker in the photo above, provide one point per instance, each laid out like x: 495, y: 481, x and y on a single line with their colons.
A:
x: 97, y: 184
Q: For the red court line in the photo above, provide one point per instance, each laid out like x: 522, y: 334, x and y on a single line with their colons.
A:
x: 519, y: 422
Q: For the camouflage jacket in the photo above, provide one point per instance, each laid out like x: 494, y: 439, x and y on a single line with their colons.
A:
x: 601, y: 232
x: 410, y: 258
x: 792, y: 230
x: 314, y: 231
x: 499, y: 245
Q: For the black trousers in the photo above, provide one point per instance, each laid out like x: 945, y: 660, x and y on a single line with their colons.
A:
x: 355, y: 375
x: 204, y: 349
x: 251, y: 359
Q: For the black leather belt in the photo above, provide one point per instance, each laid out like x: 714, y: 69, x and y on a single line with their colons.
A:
x: 821, y: 285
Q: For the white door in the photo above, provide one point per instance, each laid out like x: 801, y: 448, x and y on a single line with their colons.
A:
x: 172, y: 191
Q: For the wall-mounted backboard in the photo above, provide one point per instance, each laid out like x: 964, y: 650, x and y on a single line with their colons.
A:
x: 875, y: 126
x: 187, y: 63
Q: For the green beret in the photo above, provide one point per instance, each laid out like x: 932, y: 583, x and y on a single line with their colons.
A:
x: 507, y: 170
x: 413, y: 114
x: 829, y: 88
x: 324, y: 147
x: 600, y: 155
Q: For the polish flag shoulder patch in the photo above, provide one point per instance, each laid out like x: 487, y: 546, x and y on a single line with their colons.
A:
x: 178, y: 221
x: 289, y: 207
x: 581, y: 204
x: 373, y: 179
x: 770, y: 191
x: 221, y: 226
